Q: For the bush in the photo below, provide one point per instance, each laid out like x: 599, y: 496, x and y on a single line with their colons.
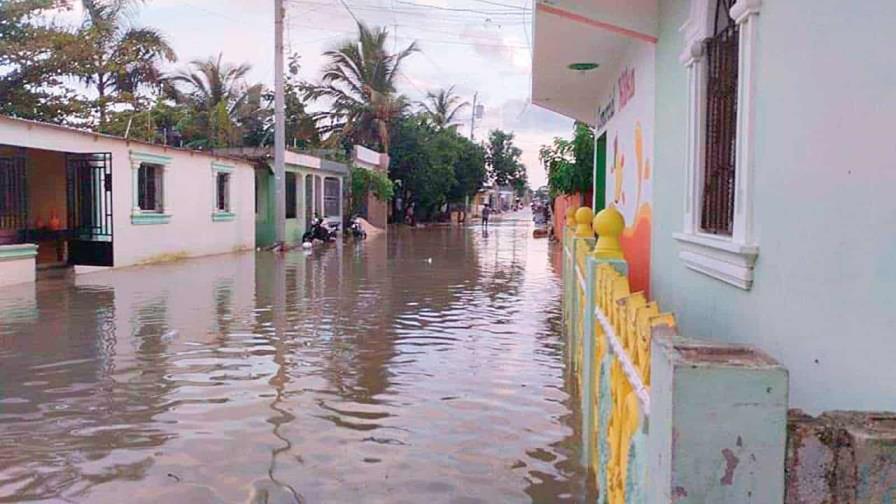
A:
x: 364, y: 182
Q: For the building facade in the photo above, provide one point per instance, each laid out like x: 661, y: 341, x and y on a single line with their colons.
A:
x: 745, y: 143
x: 75, y: 199
x: 314, y: 186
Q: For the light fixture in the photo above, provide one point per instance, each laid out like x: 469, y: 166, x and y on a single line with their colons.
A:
x: 583, y: 67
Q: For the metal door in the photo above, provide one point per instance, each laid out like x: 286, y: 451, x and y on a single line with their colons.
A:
x: 89, y: 198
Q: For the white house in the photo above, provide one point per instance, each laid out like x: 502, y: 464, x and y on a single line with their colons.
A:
x: 76, y: 199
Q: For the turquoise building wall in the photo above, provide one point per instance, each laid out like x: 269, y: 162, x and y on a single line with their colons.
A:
x: 825, y: 215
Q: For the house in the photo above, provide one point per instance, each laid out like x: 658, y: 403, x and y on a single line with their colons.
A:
x: 748, y: 145
x: 314, y: 187
x: 74, y: 199
x: 374, y: 211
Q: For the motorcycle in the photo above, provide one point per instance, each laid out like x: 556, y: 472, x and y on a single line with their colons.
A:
x: 355, y: 228
x: 319, y: 231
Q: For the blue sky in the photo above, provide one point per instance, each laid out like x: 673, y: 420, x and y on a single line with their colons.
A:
x: 476, y: 45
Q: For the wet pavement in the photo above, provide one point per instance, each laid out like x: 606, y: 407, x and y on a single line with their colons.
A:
x: 423, y: 367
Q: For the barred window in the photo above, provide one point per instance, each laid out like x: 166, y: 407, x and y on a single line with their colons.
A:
x: 331, y: 197
x: 290, y: 195
x: 717, y: 213
x: 149, y: 187
x: 222, y: 192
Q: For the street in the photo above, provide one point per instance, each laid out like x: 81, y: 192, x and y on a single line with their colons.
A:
x: 423, y: 367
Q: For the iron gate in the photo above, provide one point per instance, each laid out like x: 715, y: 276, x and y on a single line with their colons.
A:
x: 13, y: 197
x: 89, y: 197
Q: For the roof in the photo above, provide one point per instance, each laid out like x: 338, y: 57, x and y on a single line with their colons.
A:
x: 94, y: 134
x: 293, y: 157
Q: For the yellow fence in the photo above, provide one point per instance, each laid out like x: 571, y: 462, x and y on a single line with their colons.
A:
x: 609, y: 330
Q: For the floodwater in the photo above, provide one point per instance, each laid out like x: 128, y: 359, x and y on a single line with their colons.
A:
x: 426, y: 367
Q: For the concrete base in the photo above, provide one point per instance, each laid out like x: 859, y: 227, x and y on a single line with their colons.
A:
x: 18, y: 264
x: 717, y: 423
x: 842, y: 457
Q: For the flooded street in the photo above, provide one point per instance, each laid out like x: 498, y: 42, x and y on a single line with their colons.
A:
x: 427, y: 367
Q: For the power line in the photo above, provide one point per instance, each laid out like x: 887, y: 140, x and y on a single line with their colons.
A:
x: 349, y: 9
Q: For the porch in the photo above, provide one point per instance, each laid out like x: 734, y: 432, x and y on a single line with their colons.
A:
x: 58, y: 202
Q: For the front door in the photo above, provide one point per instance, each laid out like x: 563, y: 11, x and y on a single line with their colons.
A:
x: 89, y: 198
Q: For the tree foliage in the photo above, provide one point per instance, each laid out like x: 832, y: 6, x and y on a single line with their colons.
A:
x: 570, y: 163
x: 35, y: 57
x: 503, y: 158
x: 442, y: 107
x: 364, y: 182
x: 435, y: 166
x: 359, y: 85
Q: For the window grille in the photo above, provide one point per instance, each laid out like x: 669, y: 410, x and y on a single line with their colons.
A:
x: 717, y: 216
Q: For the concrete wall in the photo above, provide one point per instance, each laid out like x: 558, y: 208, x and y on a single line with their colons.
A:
x: 188, y: 195
x: 17, y: 264
x: 626, y: 115
x: 825, y: 215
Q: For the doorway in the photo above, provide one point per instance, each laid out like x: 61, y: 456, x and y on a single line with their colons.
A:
x: 600, y: 173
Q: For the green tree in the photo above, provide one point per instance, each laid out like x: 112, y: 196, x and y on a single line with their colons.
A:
x: 442, y: 107
x: 570, y: 163
x: 221, y: 105
x: 469, y: 170
x: 503, y: 158
x: 423, y: 159
x: 35, y: 57
x: 359, y: 83
x: 118, y: 60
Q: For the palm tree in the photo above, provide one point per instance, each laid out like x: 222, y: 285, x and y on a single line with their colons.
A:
x: 118, y: 60
x: 359, y: 81
x: 441, y: 108
x: 219, y: 99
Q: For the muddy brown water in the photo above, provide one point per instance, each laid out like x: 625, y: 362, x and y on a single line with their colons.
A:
x: 426, y: 367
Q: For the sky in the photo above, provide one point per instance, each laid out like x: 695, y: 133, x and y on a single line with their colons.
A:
x: 479, y: 46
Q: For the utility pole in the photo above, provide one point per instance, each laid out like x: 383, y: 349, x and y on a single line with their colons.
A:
x: 473, y: 117
x: 279, y: 128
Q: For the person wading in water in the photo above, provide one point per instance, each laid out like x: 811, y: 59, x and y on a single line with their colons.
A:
x: 486, y: 211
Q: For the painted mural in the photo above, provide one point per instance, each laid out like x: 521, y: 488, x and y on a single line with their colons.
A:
x: 627, y: 118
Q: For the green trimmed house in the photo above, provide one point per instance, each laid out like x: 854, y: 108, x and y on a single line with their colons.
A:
x: 314, y: 186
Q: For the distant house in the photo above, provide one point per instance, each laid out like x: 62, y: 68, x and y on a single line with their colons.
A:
x: 376, y: 212
x: 76, y: 199
x: 314, y: 187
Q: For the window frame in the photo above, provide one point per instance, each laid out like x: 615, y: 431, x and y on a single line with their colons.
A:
x: 291, y: 192
x: 336, y: 200
x: 161, y: 214
x: 729, y: 258
x: 218, y: 171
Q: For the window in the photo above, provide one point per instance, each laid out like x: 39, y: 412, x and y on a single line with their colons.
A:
x: 317, y: 196
x: 150, y: 187
x: 719, y: 165
x: 717, y: 239
x: 331, y: 197
x: 222, y: 192
x: 290, y: 195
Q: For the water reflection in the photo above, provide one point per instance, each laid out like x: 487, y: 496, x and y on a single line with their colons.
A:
x: 423, y: 367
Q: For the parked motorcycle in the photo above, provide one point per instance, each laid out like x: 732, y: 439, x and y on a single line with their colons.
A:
x: 319, y: 231
x: 355, y: 229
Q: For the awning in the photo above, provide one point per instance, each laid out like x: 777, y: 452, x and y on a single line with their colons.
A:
x: 573, y: 35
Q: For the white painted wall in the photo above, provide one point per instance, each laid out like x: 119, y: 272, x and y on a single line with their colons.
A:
x: 825, y: 215
x: 189, y: 194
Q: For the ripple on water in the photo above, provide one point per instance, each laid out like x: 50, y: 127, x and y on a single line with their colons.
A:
x: 353, y: 373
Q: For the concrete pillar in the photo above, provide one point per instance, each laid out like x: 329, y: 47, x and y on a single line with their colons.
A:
x: 717, y: 423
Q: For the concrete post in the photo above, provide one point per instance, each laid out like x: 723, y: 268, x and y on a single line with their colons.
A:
x: 717, y: 423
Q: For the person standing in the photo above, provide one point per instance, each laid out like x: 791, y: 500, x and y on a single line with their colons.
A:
x: 486, y: 211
